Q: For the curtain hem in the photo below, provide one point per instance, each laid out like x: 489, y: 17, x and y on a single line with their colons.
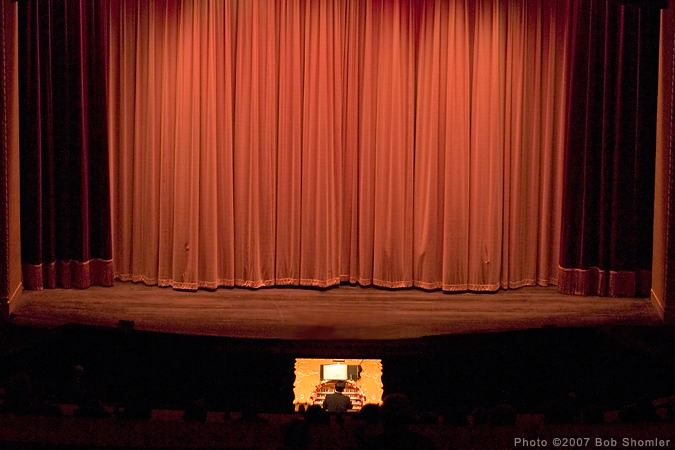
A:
x: 604, y: 283
x: 68, y: 274
x: 328, y: 283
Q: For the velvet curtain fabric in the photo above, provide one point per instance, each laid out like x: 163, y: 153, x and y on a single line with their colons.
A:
x: 298, y: 142
x: 390, y: 143
x: 606, y: 243
x: 65, y: 207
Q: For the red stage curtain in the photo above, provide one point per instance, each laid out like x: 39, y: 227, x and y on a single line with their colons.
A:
x: 65, y: 210
x: 609, y: 160
x: 301, y: 142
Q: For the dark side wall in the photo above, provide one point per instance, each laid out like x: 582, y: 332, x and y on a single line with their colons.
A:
x: 663, y: 267
x: 10, y: 248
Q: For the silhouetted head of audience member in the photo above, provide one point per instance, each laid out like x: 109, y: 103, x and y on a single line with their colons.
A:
x: 502, y: 414
x: 592, y: 415
x: 456, y: 415
x: 370, y: 414
x: 368, y: 423
x: 397, y: 411
x: 250, y: 413
x: 91, y: 408
x: 639, y: 412
x: 563, y: 410
x: 397, y: 414
x: 196, y: 411
x: 479, y: 416
x: 315, y: 415
x: 296, y: 435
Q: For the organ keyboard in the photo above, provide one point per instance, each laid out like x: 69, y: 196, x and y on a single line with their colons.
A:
x: 352, y: 390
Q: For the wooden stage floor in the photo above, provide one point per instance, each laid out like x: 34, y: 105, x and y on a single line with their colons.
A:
x: 342, y: 313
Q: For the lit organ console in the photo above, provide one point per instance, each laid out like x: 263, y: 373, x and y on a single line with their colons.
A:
x: 352, y: 390
x: 362, y: 378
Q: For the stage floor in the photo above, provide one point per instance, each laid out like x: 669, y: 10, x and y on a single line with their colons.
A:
x: 342, y: 313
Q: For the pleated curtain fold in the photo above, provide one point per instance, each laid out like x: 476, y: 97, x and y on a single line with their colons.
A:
x: 392, y: 143
x: 65, y: 183
x: 611, y: 149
